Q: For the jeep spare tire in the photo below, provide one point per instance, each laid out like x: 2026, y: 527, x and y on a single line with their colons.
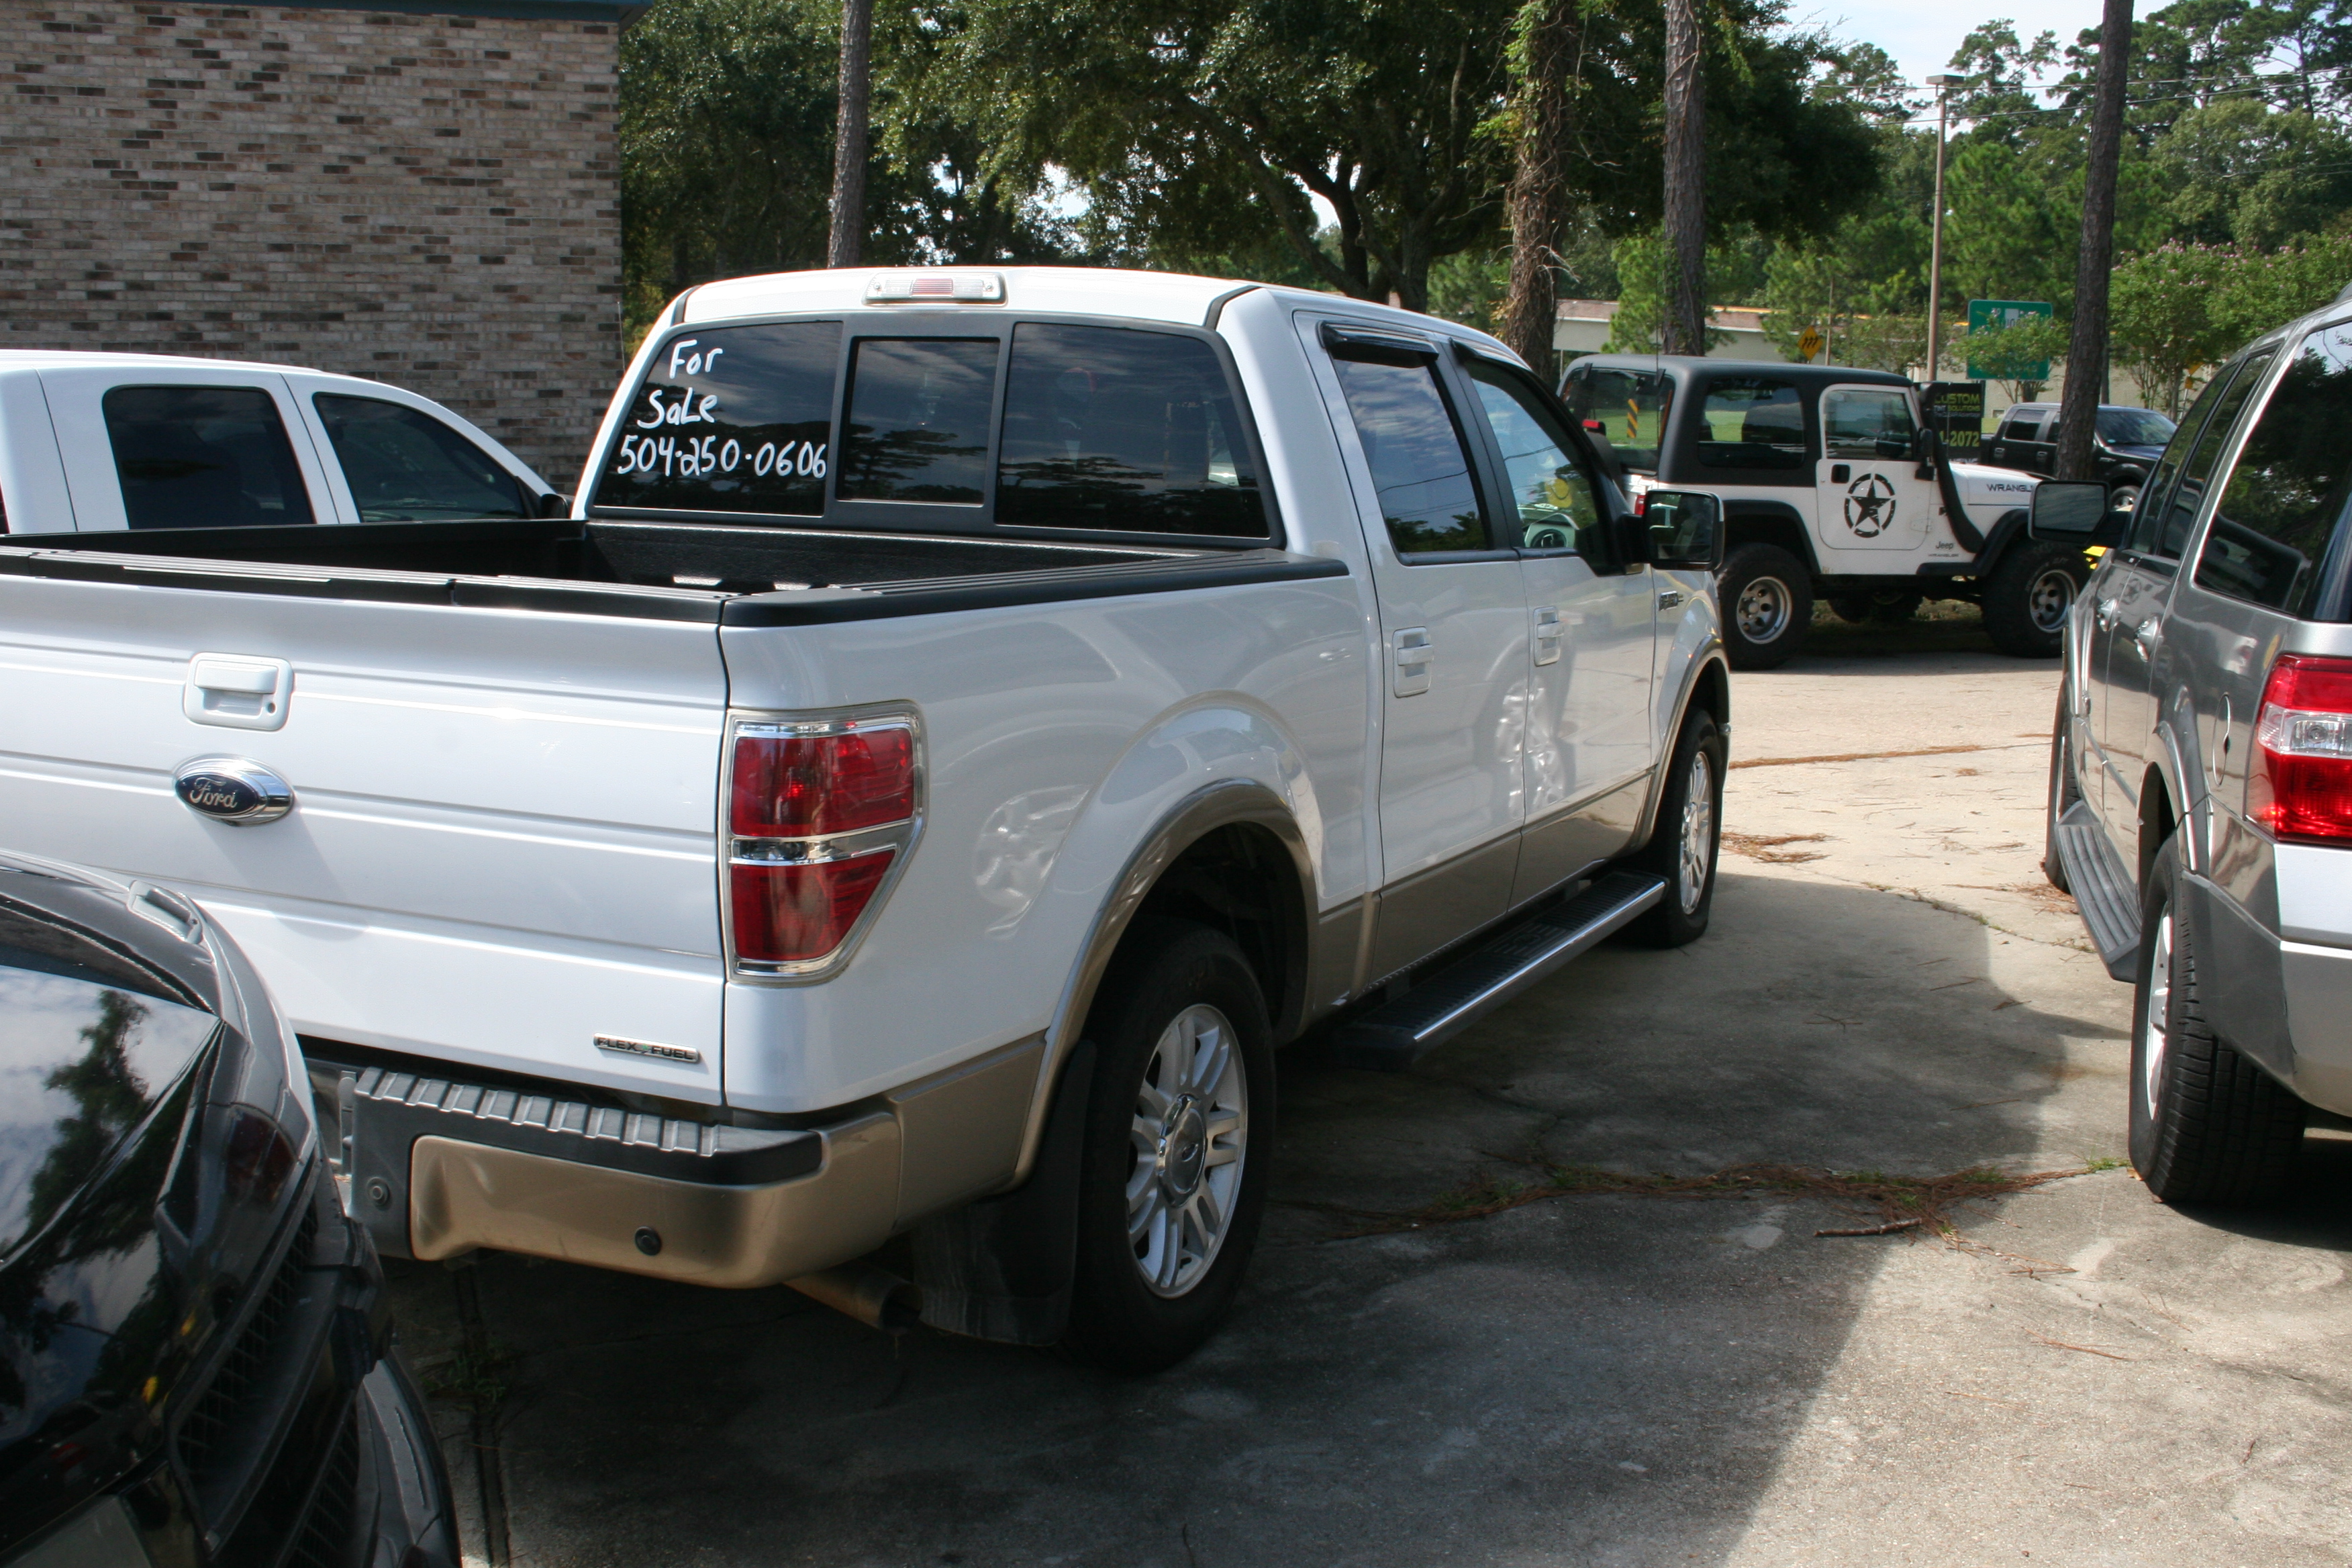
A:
x: 1767, y: 602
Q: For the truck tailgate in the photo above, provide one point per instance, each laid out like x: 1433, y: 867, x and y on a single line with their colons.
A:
x: 502, y: 842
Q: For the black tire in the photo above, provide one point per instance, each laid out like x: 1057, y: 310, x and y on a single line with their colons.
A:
x: 1768, y: 600
x: 2063, y: 792
x: 2027, y: 597
x: 1681, y: 916
x: 1118, y: 1320
x: 2219, y: 1130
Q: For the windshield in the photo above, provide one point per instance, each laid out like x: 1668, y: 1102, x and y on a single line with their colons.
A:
x: 2134, y: 427
x: 1627, y: 408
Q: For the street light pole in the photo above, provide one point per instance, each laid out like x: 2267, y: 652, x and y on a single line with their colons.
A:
x: 1942, y: 84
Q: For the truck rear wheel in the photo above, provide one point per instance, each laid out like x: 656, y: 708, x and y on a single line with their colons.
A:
x: 2206, y: 1125
x: 2028, y: 595
x: 1179, y: 1148
x: 1767, y: 602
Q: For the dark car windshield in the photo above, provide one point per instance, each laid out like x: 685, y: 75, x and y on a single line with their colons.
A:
x: 2134, y: 427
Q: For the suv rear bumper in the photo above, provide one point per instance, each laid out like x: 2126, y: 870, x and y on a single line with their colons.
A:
x: 2286, y: 1002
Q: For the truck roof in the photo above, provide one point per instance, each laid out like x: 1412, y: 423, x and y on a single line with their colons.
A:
x: 1808, y: 375
x: 1173, y: 297
x: 67, y: 359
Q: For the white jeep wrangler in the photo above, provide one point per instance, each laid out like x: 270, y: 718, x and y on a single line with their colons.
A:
x: 1832, y: 489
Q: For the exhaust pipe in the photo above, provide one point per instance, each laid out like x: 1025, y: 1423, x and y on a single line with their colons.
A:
x: 875, y: 1297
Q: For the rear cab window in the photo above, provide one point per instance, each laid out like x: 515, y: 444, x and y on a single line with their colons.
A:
x: 957, y: 423
x: 203, y: 456
x: 2274, y: 535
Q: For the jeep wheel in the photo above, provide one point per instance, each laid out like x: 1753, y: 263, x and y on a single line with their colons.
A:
x: 1768, y: 600
x: 1683, y: 846
x: 2124, y: 498
x: 2028, y: 595
x: 2206, y: 1125
x: 1179, y: 1148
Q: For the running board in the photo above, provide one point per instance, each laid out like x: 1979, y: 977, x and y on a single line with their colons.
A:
x: 2103, y: 889
x: 1394, y: 1036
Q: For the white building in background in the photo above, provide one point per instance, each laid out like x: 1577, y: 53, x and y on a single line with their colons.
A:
x: 1583, y: 326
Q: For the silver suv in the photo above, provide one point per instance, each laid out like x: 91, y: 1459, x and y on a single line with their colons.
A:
x: 2200, y: 778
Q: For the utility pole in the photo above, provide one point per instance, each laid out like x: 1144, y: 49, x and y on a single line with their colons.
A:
x: 2087, y: 342
x: 1684, y: 328
x: 1942, y: 86
x: 847, y: 239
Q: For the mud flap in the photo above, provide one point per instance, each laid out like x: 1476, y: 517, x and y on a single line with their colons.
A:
x: 1002, y: 1268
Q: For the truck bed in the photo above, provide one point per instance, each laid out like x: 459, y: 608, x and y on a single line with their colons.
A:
x: 712, y: 573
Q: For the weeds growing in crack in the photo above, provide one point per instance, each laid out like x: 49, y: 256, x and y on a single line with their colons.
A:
x: 477, y: 1377
x: 1899, y: 1203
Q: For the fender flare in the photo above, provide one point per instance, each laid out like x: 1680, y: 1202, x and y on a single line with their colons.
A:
x: 1227, y: 803
x: 1737, y: 507
x: 2005, y: 532
x: 1711, y: 655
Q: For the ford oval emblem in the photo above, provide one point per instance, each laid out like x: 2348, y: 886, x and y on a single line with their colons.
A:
x: 233, y: 790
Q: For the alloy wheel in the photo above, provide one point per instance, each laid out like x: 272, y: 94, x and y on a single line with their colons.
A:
x: 1188, y: 1140
x: 1698, y: 832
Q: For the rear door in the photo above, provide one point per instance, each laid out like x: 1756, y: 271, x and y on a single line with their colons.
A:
x: 2127, y: 613
x: 172, y: 445
x: 1454, y: 634
x: 1592, y: 627
x: 501, y: 850
x: 1869, y: 490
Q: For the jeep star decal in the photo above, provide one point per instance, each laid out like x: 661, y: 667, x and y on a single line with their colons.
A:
x: 1870, y: 506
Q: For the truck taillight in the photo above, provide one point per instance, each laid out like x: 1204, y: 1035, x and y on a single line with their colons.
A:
x: 2299, y: 784
x: 819, y: 812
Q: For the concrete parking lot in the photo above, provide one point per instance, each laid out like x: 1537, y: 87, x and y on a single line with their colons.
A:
x: 1623, y: 1372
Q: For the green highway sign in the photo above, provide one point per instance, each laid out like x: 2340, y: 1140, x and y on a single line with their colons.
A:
x: 1992, y: 315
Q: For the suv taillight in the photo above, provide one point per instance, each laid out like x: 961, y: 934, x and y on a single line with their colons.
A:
x: 2299, y: 786
x: 818, y: 813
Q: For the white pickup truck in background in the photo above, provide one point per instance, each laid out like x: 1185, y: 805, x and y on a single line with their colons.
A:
x: 105, y: 441
x: 969, y: 721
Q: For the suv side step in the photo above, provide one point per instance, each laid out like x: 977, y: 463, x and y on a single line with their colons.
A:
x: 1394, y: 1036
x: 2103, y: 889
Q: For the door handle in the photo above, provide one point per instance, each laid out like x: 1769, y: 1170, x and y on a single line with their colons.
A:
x: 1415, y: 655
x: 1547, y: 633
x: 1670, y: 598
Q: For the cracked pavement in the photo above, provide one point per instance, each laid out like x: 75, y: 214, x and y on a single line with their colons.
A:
x: 2088, y: 1377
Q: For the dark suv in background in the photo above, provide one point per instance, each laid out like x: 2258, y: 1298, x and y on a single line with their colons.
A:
x: 2125, y: 446
x: 2201, y: 779
x: 195, y: 1357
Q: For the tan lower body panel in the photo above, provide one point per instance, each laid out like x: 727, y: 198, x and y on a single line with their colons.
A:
x: 465, y: 1196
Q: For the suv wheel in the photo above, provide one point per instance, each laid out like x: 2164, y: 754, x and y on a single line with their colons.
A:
x: 2028, y: 595
x: 2206, y: 1125
x: 1179, y: 1148
x: 1767, y: 602
x: 1683, y: 845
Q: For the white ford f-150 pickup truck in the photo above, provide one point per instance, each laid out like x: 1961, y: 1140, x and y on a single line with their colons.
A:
x: 969, y: 720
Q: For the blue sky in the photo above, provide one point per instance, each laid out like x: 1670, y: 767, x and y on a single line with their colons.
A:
x: 1922, y: 37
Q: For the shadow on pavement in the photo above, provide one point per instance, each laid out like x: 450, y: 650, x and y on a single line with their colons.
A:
x: 1601, y: 1380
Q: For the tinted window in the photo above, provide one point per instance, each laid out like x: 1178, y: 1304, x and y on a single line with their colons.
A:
x: 2148, y: 523
x: 404, y: 466
x: 730, y: 419
x: 1852, y: 422
x: 2180, y: 508
x: 918, y: 424
x: 2020, y: 426
x: 1114, y: 429
x: 1626, y: 408
x: 2280, y: 505
x: 1420, y: 468
x: 2134, y: 427
x: 1557, y: 505
x: 203, y: 456
x: 1752, y: 422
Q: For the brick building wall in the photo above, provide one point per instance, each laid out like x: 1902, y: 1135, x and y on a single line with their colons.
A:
x: 427, y: 198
